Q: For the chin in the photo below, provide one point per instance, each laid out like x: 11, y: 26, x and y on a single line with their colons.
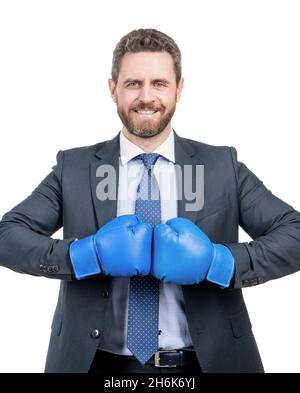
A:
x: 144, y: 133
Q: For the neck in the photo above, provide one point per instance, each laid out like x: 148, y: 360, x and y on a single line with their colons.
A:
x: 148, y: 144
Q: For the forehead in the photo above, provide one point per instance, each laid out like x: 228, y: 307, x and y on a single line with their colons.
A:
x: 147, y: 65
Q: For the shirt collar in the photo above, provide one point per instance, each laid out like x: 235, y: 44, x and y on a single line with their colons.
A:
x: 128, y: 149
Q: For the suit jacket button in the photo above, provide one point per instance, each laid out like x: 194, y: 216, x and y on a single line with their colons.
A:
x: 95, y: 333
x: 105, y: 293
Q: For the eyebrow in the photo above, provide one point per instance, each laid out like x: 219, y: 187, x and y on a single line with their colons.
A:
x: 129, y: 80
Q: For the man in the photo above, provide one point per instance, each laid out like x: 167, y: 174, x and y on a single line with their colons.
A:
x: 151, y: 282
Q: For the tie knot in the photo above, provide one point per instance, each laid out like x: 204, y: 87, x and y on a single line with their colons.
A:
x: 148, y: 159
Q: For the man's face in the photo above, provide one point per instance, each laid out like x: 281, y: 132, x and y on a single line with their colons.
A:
x: 146, y: 92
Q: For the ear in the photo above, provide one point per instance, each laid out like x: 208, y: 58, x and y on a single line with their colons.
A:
x: 179, y: 89
x: 112, y: 87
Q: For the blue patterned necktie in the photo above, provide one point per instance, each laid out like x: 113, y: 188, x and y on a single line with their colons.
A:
x: 143, y: 303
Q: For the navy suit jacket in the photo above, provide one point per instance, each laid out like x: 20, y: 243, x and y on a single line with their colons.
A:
x: 218, y: 320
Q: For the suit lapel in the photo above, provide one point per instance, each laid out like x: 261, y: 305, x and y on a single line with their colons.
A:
x: 107, y: 155
x: 185, y: 156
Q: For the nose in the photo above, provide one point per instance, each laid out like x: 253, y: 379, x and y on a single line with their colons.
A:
x: 146, y: 93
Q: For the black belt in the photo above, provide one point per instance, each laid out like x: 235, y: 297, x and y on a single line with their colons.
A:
x: 173, y: 358
x: 162, y: 358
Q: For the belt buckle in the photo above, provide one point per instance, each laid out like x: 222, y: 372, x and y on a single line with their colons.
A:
x: 157, y: 358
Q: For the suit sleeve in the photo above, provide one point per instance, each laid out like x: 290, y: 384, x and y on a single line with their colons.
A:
x: 26, y: 245
x: 274, y: 227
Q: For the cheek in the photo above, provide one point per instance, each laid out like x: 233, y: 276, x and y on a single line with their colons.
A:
x: 167, y: 97
x: 126, y: 99
x: 168, y: 101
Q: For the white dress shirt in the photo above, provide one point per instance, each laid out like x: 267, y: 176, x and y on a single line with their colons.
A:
x: 174, y: 332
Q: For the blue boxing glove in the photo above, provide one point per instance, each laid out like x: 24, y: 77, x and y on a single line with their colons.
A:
x: 183, y: 254
x: 121, y: 247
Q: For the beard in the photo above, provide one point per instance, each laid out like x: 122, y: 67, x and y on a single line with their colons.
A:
x: 146, y: 128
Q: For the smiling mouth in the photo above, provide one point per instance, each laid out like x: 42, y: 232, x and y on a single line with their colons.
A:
x: 145, y: 113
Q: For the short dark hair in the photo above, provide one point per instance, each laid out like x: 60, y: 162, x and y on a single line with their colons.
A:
x: 145, y: 40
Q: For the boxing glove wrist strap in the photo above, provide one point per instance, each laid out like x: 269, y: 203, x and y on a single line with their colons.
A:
x: 222, y: 267
x: 84, y: 258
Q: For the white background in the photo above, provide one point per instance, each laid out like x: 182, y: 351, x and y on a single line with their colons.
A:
x: 241, y: 66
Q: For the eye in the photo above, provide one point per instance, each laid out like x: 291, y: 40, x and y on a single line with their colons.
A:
x: 160, y: 84
x: 132, y: 84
